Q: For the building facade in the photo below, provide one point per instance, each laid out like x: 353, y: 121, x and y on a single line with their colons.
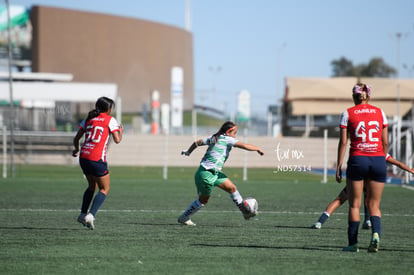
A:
x: 136, y: 55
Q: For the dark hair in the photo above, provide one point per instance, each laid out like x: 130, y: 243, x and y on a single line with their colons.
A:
x: 103, y: 104
x: 223, y: 129
x: 361, y: 92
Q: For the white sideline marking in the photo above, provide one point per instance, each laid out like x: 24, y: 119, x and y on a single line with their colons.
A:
x: 408, y: 187
x: 179, y: 211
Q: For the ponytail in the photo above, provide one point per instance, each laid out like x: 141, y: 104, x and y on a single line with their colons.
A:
x: 223, y: 130
x: 102, y: 105
x: 92, y: 114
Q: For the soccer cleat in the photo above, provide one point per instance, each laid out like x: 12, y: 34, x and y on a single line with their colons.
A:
x: 366, y: 225
x: 89, y: 219
x: 351, y: 248
x: 374, y: 245
x: 81, y: 219
x: 316, y: 225
x: 185, y: 221
x: 249, y: 215
x: 246, y: 210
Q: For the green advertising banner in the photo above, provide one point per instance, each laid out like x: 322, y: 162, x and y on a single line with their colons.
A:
x: 19, y: 16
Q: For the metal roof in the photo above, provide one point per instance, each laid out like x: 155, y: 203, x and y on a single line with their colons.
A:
x: 318, y: 96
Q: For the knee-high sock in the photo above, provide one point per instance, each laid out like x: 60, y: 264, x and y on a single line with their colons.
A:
x: 353, y: 232
x: 376, y: 224
x: 193, y: 208
x: 86, y: 201
x: 366, y: 211
x: 236, y: 198
x: 323, y: 217
x: 97, y: 202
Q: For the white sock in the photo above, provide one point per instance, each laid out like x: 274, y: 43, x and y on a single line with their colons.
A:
x: 193, y: 208
x: 236, y: 197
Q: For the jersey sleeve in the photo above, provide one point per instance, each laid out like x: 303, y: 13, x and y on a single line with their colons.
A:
x: 231, y: 141
x: 387, y: 157
x: 384, y: 118
x: 206, y: 140
x: 343, y: 122
x: 113, y: 125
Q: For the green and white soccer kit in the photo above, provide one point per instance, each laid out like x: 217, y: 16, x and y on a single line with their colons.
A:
x: 209, y: 173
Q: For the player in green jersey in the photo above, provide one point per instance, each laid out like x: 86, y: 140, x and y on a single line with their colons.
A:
x: 209, y: 173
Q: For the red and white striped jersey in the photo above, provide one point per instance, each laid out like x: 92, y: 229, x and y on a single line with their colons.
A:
x: 97, y: 131
x: 364, y: 123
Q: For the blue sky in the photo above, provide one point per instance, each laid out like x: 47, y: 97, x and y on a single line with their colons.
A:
x: 253, y: 45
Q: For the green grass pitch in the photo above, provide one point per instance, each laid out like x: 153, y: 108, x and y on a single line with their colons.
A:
x: 137, y: 231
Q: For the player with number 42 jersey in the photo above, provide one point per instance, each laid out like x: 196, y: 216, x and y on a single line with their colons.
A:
x: 366, y: 122
x: 367, y: 128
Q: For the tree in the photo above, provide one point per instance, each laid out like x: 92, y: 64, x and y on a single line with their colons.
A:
x: 342, y: 67
x: 375, y: 68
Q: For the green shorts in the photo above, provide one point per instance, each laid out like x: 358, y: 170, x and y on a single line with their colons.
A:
x: 205, y: 180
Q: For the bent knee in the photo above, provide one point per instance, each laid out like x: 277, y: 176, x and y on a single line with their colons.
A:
x: 204, y: 199
x: 104, y: 191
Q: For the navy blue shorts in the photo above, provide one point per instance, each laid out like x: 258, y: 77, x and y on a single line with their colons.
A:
x: 95, y: 168
x: 363, y: 167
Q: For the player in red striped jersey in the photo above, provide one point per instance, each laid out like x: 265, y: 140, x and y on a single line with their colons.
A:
x: 366, y: 126
x: 343, y: 197
x: 97, y: 127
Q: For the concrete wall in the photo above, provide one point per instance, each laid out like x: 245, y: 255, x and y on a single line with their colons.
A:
x: 148, y: 150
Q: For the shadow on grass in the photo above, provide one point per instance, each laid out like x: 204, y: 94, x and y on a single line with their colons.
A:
x: 182, y: 225
x: 326, y: 248
x: 291, y: 226
x: 318, y: 248
x: 38, y: 228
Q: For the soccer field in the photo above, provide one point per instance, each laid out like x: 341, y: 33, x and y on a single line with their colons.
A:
x: 137, y: 231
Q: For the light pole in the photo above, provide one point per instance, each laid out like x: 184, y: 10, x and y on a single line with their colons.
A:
x: 278, y: 88
x: 214, y: 71
x: 398, y: 35
x: 188, y: 15
x: 9, y: 44
x: 278, y: 69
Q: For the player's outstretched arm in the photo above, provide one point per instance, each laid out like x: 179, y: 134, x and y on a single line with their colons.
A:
x: 192, y: 147
x: 249, y: 147
x: 400, y: 165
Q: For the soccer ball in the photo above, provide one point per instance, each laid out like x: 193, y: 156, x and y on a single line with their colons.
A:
x: 252, y: 202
